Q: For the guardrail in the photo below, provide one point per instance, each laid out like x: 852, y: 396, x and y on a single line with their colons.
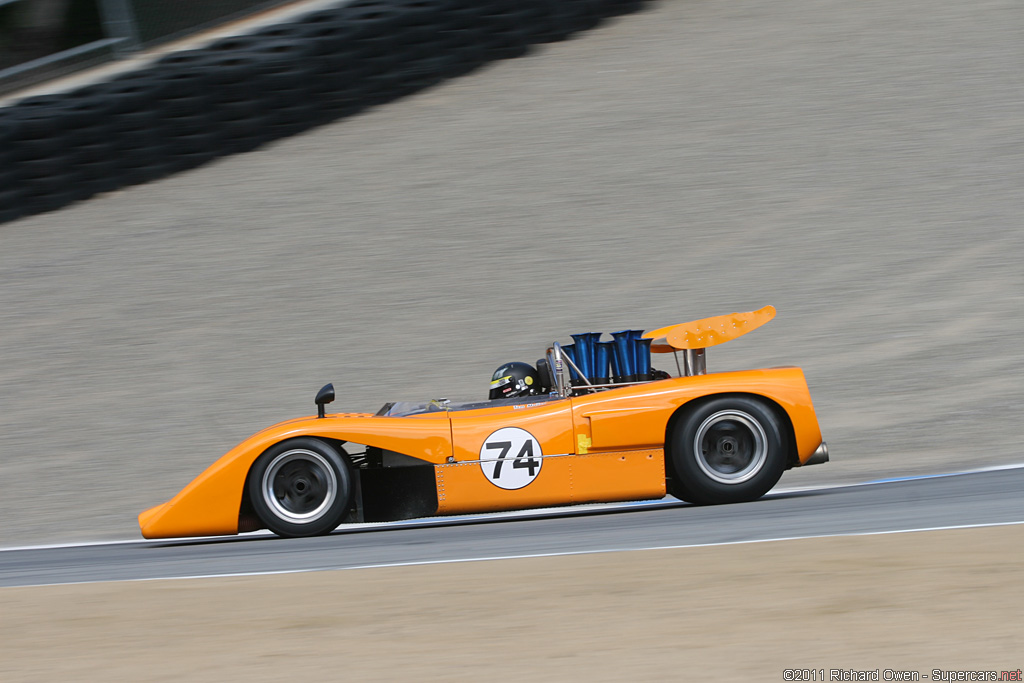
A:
x: 241, y: 92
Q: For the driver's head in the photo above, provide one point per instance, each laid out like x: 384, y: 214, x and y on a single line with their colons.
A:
x: 514, y: 379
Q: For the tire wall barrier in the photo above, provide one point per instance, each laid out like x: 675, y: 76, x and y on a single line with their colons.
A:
x: 240, y: 92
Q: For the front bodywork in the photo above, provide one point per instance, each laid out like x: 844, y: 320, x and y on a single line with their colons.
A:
x: 603, y: 446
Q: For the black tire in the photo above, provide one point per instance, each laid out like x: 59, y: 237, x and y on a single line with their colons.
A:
x: 12, y: 204
x: 727, y: 450
x: 300, y: 487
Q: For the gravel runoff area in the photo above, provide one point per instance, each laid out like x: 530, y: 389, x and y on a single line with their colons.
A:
x: 947, y: 600
x: 858, y: 165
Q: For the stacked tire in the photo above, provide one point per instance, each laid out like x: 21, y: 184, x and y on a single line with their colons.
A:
x: 240, y: 92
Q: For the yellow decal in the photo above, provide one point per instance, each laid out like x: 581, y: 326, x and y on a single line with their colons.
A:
x: 583, y: 443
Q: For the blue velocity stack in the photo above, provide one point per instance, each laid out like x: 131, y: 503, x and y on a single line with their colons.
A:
x: 642, y: 347
x: 585, y: 353
x: 570, y: 351
x: 603, y: 353
x: 613, y: 358
x: 625, y: 358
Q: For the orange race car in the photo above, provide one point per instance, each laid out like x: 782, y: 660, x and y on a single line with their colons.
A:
x: 592, y: 422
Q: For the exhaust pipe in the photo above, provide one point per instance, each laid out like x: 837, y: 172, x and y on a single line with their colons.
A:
x: 820, y: 456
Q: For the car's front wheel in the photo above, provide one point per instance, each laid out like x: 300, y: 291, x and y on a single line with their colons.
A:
x: 300, y: 487
x: 728, y: 450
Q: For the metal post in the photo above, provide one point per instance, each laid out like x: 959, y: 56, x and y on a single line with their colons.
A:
x: 696, y: 363
x: 555, y: 362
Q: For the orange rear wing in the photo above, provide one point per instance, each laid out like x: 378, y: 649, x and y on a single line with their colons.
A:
x: 693, y: 337
x: 700, y: 334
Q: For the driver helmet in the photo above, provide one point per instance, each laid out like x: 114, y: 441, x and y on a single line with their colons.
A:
x: 514, y: 379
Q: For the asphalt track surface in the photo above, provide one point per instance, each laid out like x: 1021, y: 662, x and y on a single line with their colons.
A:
x: 857, y: 165
x: 984, y: 498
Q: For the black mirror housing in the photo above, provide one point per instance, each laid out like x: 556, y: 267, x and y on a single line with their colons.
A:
x: 323, y: 397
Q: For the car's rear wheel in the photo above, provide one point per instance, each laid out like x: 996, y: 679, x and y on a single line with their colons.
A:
x: 727, y: 450
x: 300, y: 487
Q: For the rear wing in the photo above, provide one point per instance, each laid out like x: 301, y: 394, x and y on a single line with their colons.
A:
x: 693, y: 337
x: 700, y: 334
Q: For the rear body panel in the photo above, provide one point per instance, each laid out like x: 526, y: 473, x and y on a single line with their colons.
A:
x: 638, y: 416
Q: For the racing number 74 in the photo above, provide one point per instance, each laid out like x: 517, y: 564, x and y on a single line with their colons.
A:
x: 524, y: 460
x: 515, y: 445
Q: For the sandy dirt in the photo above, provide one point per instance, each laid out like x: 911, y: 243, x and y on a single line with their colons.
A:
x: 858, y: 165
x: 948, y: 600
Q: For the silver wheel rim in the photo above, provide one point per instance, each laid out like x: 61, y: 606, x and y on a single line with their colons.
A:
x: 730, y: 446
x: 300, y: 486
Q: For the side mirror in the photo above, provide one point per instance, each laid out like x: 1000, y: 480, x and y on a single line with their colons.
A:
x: 324, y: 396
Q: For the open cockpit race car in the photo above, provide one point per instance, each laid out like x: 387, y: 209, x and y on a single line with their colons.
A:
x: 593, y: 422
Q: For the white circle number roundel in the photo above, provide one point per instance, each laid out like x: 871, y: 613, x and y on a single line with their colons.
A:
x: 511, y: 458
